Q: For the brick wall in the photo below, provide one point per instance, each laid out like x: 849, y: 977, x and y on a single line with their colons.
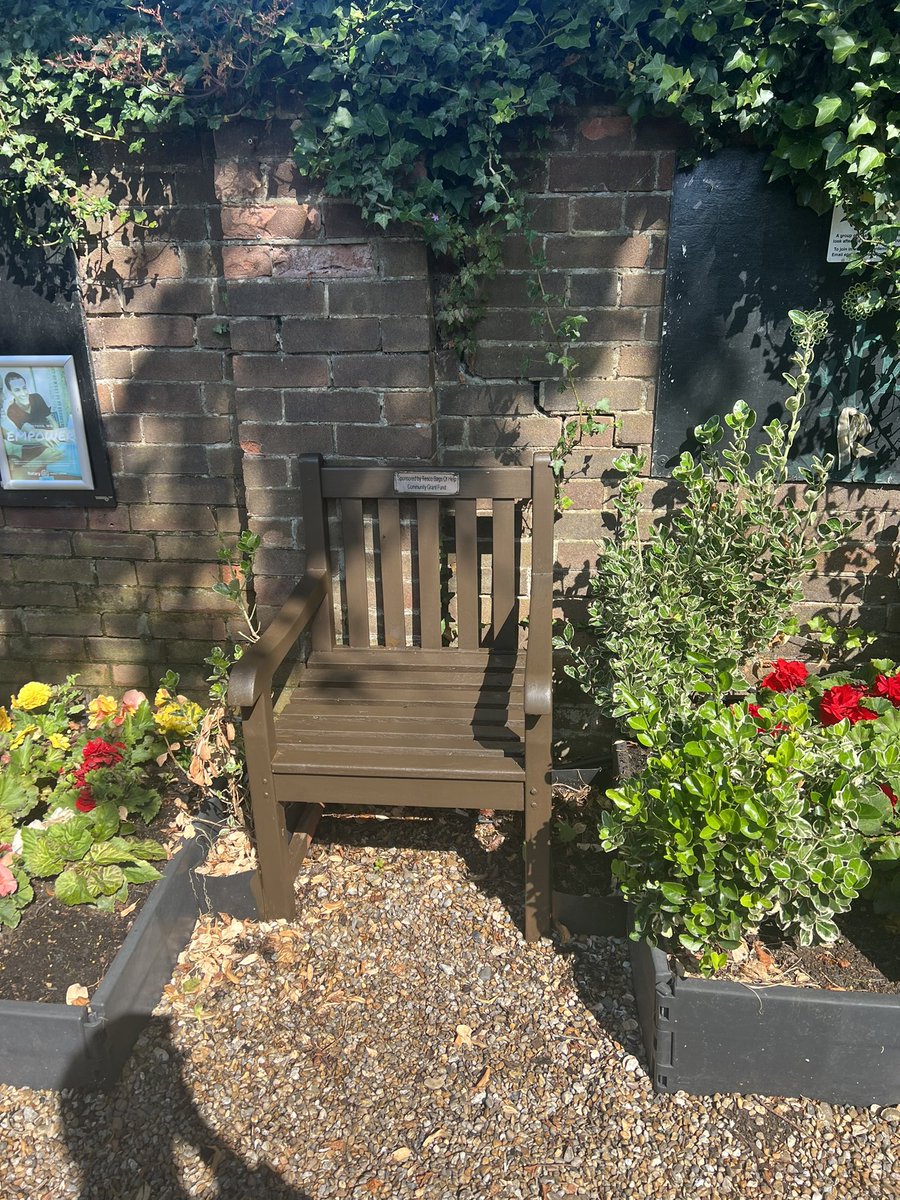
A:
x: 259, y: 319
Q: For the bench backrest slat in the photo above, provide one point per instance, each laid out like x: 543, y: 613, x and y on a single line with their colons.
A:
x: 418, y: 563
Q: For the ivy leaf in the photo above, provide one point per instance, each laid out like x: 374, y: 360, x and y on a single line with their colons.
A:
x: 861, y: 125
x: 868, y: 160
x: 827, y: 108
x: 843, y: 45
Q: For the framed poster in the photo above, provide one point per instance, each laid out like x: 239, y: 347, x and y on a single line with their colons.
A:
x: 43, y: 445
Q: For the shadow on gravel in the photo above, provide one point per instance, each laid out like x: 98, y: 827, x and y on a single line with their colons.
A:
x: 127, y: 1140
x: 492, y: 851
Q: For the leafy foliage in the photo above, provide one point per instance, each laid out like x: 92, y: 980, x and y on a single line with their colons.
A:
x: 674, y: 619
x: 755, y: 815
x: 422, y: 114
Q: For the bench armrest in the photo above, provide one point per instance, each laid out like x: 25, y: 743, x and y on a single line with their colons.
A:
x: 539, y: 652
x: 252, y: 675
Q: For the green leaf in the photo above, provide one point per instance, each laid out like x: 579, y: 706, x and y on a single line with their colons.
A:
x: 17, y: 796
x: 104, y: 822
x: 40, y: 857
x: 71, y: 888
x: 141, y: 872
x: 71, y: 840
x: 827, y: 108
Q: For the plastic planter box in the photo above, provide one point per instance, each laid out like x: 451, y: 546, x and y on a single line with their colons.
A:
x: 705, y: 1035
x: 59, y: 1045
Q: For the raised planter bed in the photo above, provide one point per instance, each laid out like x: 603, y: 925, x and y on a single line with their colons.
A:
x: 59, y: 1045
x: 704, y: 1036
x: 593, y: 915
x: 707, y: 1035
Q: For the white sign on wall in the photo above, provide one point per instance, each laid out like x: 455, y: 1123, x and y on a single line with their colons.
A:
x: 842, y: 239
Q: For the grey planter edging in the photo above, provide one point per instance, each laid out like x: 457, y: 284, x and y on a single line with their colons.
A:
x: 707, y: 1035
x: 59, y: 1045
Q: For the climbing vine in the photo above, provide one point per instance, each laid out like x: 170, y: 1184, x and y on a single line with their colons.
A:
x: 426, y: 114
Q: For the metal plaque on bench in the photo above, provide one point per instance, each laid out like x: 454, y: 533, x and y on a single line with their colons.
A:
x: 426, y: 483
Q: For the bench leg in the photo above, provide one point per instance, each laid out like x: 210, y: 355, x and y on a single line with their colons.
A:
x: 273, y: 885
x: 538, y: 884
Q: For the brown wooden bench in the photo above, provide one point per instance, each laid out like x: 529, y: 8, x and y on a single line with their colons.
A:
x: 431, y: 701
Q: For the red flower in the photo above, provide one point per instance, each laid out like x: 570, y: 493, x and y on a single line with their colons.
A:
x: 888, y: 686
x: 890, y: 795
x: 753, y: 710
x: 786, y: 677
x: 96, y: 754
x: 843, y: 703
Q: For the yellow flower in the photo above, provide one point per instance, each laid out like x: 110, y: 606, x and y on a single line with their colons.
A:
x: 162, y: 697
x: 21, y: 736
x: 58, y: 742
x: 5, y: 722
x: 32, y: 695
x: 181, y: 719
x: 101, y: 710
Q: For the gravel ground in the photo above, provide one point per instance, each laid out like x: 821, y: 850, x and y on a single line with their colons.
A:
x: 401, y: 1040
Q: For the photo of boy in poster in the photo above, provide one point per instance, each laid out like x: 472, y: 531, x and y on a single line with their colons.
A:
x: 38, y: 434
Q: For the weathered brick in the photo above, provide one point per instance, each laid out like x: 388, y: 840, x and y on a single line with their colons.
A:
x: 603, y: 172
x: 238, y: 181
x: 284, y: 179
x: 112, y: 364
x: 22, y: 595
x: 115, y: 571
x: 642, y: 289
x: 598, y: 251
x: 652, y: 324
x: 288, y: 220
x: 475, y: 400
x: 287, y: 439
x: 405, y: 333
x: 597, y: 214
x: 138, y: 460
x: 142, y: 331
x: 622, y: 394
x: 330, y: 333
x: 548, y: 214
x: 213, y: 333
x: 266, y: 370
x: 124, y: 650
x: 199, y: 262
x: 194, y: 297
x: 139, y: 396
x: 170, y: 431
x: 46, y: 518
x: 113, y: 545
x: 277, y: 297
x: 265, y: 472
x: 665, y: 175
x: 142, y: 261
x: 323, y: 262
x: 258, y: 404
x: 521, y: 360
x: 193, y: 601
x: 382, y: 370
x: 131, y: 676
x: 409, y: 408
x: 647, y: 212
x: 393, y: 297
x: 638, y: 361
x: 334, y: 404
x: 612, y: 325
x: 592, y: 289
x: 246, y: 262
x: 189, y: 489
x: 126, y: 625
x: 178, y: 574
x: 537, y: 431
x: 253, y: 140
x: 48, y: 646
x: 186, y: 626
x: 269, y: 502
x: 394, y: 442
x: 397, y: 258
x: 53, y: 545
x: 188, y: 365
x: 634, y: 429
x: 109, y: 518
x: 342, y: 220
x: 255, y: 334
x: 613, y: 133
x: 513, y: 291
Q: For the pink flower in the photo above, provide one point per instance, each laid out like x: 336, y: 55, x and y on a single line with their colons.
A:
x: 8, y: 881
x: 786, y: 677
x: 131, y: 702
